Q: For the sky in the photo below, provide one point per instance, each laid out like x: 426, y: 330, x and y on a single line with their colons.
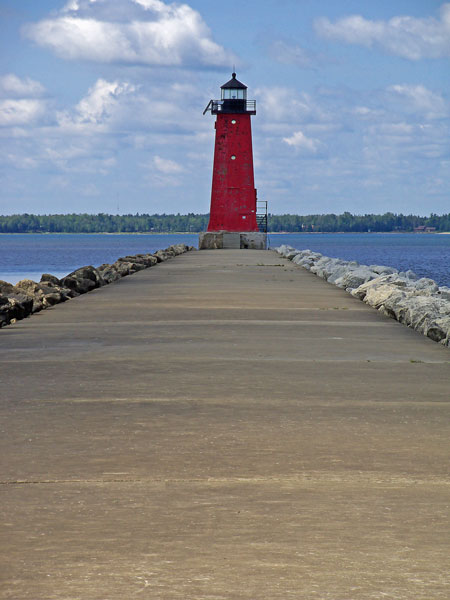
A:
x: 101, y: 103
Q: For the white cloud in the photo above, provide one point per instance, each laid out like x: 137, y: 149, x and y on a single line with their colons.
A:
x: 81, y: 138
x: 290, y: 54
x: 59, y: 182
x: 397, y: 129
x: 393, y: 143
x: 20, y: 112
x: 101, y: 100
x: 13, y: 86
x: 163, y: 172
x: 21, y: 104
x: 19, y: 161
x: 366, y: 113
x: 101, y: 105
x: 289, y: 105
x: 410, y: 37
x: 90, y: 190
x: 300, y: 141
x: 417, y: 98
x: 167, y: 166
x: 147, y: 32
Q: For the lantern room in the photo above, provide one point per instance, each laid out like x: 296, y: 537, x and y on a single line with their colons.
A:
x: 234, y: 89
x: 233, y: 99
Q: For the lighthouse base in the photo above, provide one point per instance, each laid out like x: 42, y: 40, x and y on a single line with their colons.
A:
x: 239, y: 240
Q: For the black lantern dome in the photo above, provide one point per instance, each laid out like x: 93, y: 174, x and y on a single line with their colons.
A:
x: 233, y: 99
x: 234, y: 89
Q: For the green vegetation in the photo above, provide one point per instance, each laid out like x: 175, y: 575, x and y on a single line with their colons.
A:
x: 356, y: 223
x: 103, y: 223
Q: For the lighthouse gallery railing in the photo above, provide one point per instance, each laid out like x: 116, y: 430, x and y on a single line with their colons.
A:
x: 231, y: 106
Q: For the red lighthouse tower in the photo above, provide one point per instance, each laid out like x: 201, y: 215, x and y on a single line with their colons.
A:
x: 233, y: 221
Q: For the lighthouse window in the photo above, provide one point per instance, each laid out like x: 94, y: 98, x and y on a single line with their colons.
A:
x: 234, y: 94
x: 233, y: 157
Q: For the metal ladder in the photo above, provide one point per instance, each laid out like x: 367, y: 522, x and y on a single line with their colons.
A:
x: 261, y: 215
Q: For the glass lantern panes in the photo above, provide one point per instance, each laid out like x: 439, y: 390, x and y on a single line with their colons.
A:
x: 234, y: 94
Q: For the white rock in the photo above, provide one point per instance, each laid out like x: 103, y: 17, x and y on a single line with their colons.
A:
x: 290, y: 255
x: 409, y: 274
x: 383, y: 270
x: 418, y: 303
x: 428, y: 286
x: 355, y: 277
x: 444, y: 292
x: 284, y: 249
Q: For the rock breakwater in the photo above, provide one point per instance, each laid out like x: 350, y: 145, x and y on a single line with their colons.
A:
x: 28, y: 297
x: 416, y: 302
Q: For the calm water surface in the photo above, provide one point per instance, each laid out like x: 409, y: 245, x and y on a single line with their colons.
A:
x: 30, y: 255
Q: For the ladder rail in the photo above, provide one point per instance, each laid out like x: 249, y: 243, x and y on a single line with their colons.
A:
x: 261, y: 215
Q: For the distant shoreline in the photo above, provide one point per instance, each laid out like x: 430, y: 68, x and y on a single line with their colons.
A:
x: 101, y: 233
x: 357, y: 232
x: 164, y: 224
x: 156, y: 233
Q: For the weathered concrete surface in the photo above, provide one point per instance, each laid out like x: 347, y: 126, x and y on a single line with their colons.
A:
x: 225, y: 425
x: 250, y: 240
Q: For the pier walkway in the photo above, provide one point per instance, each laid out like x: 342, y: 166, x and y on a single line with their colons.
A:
x: 224, y: 425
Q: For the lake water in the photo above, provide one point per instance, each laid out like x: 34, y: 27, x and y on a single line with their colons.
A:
x: 30, y: 255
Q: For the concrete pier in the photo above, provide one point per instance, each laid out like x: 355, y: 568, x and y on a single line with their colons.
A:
x: 225, y: 426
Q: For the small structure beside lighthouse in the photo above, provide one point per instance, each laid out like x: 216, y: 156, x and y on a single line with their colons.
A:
x: 233, y: 221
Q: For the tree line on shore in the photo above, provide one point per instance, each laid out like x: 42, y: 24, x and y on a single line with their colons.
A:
x: 145, y: 223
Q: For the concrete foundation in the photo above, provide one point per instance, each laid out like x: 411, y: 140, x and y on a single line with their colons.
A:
x: 230, y: 240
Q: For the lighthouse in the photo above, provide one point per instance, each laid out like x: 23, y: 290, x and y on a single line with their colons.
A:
x: 233, y: 221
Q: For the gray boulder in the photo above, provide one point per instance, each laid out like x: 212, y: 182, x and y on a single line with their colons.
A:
x: 353, y: 278
x: 129, y: 264
x: 33, y: 291
x: 179, y: 249
x: 14, y: 307
x: 338, y: 272
x: 284, y: 249
x: 162, y: 255
x: 47, y: 278
x: 408, y: 274
x: 444, y: 292
x: 6, y: 288
x: 291, y: 254
x: 4, y: 311
x: 83, y: 280
x: 122, y: 267
x: 109, y: 273
x: 44, y: 294
x: 383, y: 270
x: 306, y: 259
x: 425, y: 287
x: 146, y: 260
x: 329, y: 268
